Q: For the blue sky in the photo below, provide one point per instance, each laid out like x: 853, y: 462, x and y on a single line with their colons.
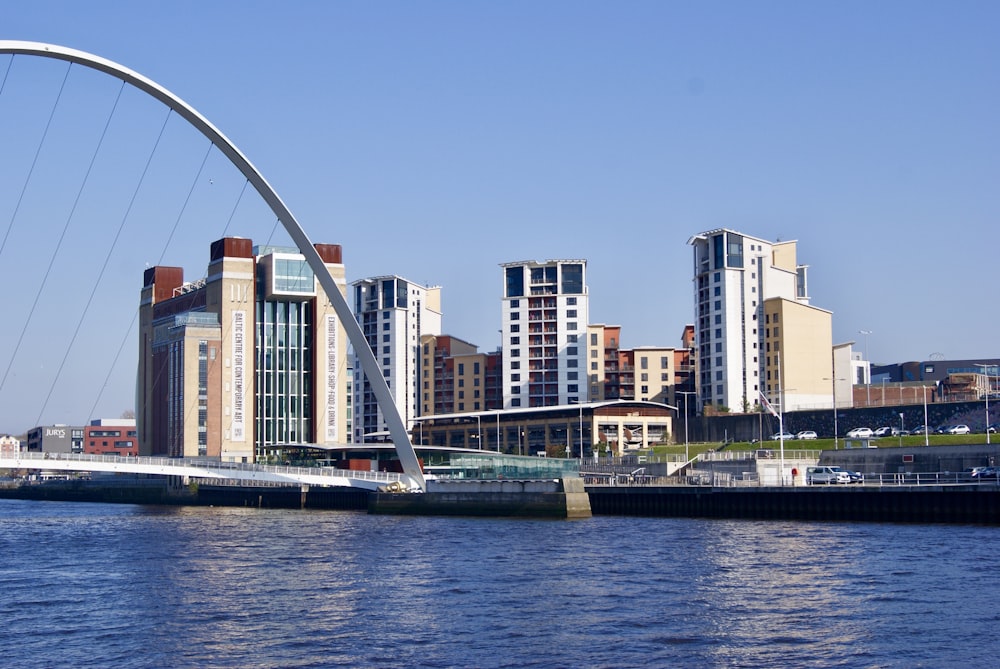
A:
x: 436, y: 140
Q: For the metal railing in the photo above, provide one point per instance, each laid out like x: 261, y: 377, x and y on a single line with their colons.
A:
x: 751, y: 479
x: 195, y: 464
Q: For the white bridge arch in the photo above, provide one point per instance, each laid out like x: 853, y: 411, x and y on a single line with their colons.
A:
x: 369, y: 364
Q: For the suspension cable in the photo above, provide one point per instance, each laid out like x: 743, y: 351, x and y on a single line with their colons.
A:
x: 52, y: 260
x: 111, y: 248
x: 34, y: 162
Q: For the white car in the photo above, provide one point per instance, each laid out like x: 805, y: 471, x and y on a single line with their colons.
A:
x: 860, y: 433
x: 782, y: 436
x: 958, y: 429
x: 884, y: 432
x: 806, y: 434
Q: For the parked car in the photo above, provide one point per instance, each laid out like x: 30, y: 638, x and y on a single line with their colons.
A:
x: 806, y: 434
x: 826, y: 475
x: 782, y: 436
x: 860, y: 433
x: 958, y: 429
x: 883, y: 432
x: 942, y: 429
x: 984, y: 473
x: 921, y: 429
x: 856, y: 477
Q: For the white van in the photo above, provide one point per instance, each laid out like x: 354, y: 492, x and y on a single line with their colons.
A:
x: 826, y: 475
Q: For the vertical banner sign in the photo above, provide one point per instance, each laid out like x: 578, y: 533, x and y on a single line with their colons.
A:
x: 331, y: 379
x: 239, y: 369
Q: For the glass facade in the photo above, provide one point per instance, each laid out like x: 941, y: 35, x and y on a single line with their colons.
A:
x: 284, y: 340
x: 515, y: 281
x: 572, y: 279
x: 293, y: 276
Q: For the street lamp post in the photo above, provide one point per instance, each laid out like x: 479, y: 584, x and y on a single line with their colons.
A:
x: 868, y: 368
x: 581, y: 434
x: 685, y: 393
x: 498, y: 431
x: 479, y: 431
x: 986, y: 373
x: 835, y: 430
x: 927, y: 428
x: 902, y: 427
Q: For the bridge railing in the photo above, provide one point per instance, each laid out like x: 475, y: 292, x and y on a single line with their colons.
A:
x: 203, y: 464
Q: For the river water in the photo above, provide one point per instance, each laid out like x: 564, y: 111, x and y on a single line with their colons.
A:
x: 99, y: 585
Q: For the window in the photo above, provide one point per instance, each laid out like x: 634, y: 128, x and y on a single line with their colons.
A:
x: 571, y: 338
x: 515, y: 341
x: 515, y: 316
x: 571, y: 313
x: 572, y: 278
x: 516, y: 402
x: 571, y: 362
x: 664, y: 362
x: 571, y: 350
x: 385, y: 326
x: 644, y: 376
x: 515, y: 283
x: 386, y: 349
x: 514, y: 364
x: 515, y: 377
x: 593, y: 366
x: 515, y: 328
x: 571, y: 301
x: 571, y: 325
x: 571, y: 388
x: 645, y: 390
x: 571, y: 376
x: 515, y: 353
x: 593, y: 339
x: 386, y: 338
x: 515, y: 304
x: 593, y: 353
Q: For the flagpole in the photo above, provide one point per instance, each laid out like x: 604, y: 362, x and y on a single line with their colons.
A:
x: 781, y: 433
x: 781, y: 441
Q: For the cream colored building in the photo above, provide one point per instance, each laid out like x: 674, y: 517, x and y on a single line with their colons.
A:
x: 798, y: 355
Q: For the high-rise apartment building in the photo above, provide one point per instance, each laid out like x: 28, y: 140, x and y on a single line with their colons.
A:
x: 734, y: 274
x: 243, y: 362
x: 394, y: 315
x: 544, y: 327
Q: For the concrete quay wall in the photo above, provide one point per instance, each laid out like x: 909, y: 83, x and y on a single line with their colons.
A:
x: 974, y: 503
x: 565, y: 498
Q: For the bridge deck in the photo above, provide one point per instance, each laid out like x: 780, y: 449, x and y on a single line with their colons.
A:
x: 198, y: 468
